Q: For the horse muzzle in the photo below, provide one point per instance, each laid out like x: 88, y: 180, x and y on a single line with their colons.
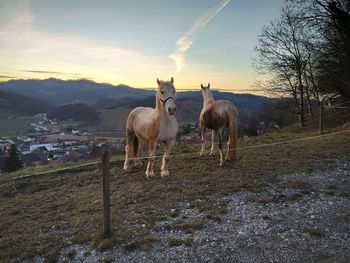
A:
x: 171, y: 110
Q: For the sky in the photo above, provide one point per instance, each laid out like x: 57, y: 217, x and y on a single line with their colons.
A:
x: 134, y: 42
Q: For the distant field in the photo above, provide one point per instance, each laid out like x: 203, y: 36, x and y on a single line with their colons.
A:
x: 111, y: 120
x: 17, y: 126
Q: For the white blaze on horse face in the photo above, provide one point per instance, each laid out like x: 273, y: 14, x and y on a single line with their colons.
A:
x: 168, y: 95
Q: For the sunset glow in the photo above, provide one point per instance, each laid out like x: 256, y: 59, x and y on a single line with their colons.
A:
x: 133, y: 42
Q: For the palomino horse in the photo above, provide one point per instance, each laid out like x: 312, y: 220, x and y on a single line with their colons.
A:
x: 217, y: 115
x: 148, y: 125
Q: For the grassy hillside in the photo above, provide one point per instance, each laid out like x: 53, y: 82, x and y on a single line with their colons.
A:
x: 76, y: 111
x: 17, y: 126
x: 40, y: 215
x: 111, y: 119
x: 16, y: 104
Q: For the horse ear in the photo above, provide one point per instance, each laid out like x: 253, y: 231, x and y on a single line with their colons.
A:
x: 202, y: 86
x: 208, y: 85
x: 158, y: 82
x: 172, y: 80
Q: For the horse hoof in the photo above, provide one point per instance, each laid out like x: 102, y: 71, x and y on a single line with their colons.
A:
x: 149, y: 174
x: 138, y: 164
x: 201, y: 154
x: 232, y: 160
x: 126, y: 168
x: 211, y: 153
x: 164, y: 173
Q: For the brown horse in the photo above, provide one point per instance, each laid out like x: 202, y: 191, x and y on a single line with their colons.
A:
x: 149, y: 126
x: 217, y: 115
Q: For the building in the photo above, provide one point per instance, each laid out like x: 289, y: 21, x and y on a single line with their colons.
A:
x: 48, y: 146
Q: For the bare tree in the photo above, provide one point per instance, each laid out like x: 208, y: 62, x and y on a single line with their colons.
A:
x: 330, y: 21
x: 283, y: 56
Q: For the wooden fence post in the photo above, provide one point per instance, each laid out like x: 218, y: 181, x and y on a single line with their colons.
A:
x: 105, y: 186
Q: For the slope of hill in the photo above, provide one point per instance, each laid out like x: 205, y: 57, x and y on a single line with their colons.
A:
x: 76, y: 111
x: 12, y: 103
x: 58, y: 91
x: 248, y: 101
x: 189, y: 105
x: 183, y: 213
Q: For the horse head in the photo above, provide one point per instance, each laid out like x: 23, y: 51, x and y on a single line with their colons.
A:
x: 167, y: 94
x: 204, y: 88
x: 207, y: 94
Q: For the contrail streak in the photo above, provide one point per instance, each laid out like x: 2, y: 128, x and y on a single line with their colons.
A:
x: 185, y: 42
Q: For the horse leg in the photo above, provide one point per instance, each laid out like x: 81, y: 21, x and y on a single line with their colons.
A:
x: 138, y: 161
x: 203, y: 128
x: 129, y: 148
x: 164, y: 171
x: 152, y: 150
x: 212, y: 143
x: 220, y: 145
x: 126, y: 162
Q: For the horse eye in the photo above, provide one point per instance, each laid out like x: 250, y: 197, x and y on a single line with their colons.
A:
x: 162, y: 92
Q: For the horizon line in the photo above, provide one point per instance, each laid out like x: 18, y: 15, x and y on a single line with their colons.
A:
x: 190, y: 87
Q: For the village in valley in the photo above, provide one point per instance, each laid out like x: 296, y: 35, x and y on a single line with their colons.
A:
x: 56, y: 142
x: 53, y: 142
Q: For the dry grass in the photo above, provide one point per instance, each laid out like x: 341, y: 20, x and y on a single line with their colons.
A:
x: 39, y: 215
x: 175, y: 242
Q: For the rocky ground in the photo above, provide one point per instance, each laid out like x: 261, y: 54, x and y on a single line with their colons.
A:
x: 303, y: 217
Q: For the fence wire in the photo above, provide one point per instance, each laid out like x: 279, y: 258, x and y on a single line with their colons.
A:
x: 178, y: 154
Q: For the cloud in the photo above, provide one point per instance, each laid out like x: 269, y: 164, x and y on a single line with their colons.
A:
x: 25, y: 47
x: 185, y: 42
x: 52, y: 72
x: 5, y: 77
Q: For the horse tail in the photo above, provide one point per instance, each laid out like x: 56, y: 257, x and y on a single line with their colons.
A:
x: 233, y: 137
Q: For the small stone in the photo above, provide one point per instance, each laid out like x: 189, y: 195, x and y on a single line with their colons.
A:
x: 241, y: 232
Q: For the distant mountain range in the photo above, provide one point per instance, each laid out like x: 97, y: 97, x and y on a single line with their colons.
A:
x: 57, y: 92
x: 41, y: 94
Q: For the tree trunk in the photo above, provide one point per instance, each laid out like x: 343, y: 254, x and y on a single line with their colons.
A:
x: 309, y: 102
x: 301, y: 101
